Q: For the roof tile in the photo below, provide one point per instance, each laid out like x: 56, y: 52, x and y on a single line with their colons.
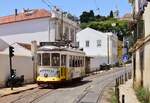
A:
x: 28, y: 15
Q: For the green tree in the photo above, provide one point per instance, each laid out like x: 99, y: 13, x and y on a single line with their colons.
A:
x: 111, y: 15
x: 120, y: 29
x: 87, y: 16
x: 104, y: 24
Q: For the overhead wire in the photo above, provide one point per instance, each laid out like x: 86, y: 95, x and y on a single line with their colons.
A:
x: 48, y: 3
x: 97, y: 7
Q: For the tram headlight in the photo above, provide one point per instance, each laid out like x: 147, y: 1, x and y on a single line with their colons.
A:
x: 45, y: 75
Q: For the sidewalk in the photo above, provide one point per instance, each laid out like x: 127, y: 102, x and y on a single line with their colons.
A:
x: 8, y: 91
x: 127, y: 90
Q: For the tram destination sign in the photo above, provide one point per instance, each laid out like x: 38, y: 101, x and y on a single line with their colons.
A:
x: 52, y: 44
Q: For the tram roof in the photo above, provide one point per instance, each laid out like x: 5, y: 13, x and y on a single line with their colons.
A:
x: 55, y: 48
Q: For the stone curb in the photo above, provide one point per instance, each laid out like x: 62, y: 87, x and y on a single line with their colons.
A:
x: 19, y: 91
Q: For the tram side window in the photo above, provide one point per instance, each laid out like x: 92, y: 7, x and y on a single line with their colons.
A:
x: 39, y: 59
x: 63, y: 60
x: 82, y: 61
x: 46, y: 59
x: 70, y: 61
x: 55, y: 59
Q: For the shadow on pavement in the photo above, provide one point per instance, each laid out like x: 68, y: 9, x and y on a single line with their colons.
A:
x: 68, y: 84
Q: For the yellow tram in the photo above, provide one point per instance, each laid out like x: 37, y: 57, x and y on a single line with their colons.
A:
x: 59, y: 64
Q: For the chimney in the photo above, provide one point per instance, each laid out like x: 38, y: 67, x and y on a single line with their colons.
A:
x: 16, y: 12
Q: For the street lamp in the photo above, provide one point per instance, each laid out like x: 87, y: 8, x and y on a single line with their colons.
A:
x: 113, y: 27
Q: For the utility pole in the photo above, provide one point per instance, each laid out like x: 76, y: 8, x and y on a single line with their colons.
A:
x: 11, y: 54
x: 48, y: 4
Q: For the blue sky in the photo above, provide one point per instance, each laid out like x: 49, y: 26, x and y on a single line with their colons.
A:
x: 75, y: 7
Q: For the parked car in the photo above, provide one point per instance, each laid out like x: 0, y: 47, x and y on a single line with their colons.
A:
x: 104, y: 66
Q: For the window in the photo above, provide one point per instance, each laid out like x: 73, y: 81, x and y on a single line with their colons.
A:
x: 46, y: 59
x: 87, y: 43
x: 39, y: 59
x: 55, y: 59
x: 134, y: 67
x: 141, y: 54
x: 70, y: 61
x: 141, y: 29
x: 63, y: 60
x: 72, y: 33
x: 82, y: 61
x: 66, y: 33
x: 78, y: 44
x: 99, y: 43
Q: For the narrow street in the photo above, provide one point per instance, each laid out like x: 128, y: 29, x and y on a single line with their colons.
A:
x: 89, y: 90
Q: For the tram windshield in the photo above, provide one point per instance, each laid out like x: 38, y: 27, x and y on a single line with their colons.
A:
x: 50, y: 59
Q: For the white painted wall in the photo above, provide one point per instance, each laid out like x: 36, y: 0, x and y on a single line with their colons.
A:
x: 35, y: 29
x: 25, y: 31
x: 22, y: 62
x: 99, y: 54
x: 92, y: 36
x: 147, y: 66
x: 3, y: 45
x: 146, y: 17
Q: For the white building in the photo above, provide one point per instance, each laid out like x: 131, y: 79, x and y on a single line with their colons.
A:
x: 37, y: 24
x: 101, y: 46
x: 31, y: 25
x: 22, y: 62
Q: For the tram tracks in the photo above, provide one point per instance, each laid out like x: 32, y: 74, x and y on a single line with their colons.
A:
x: 36, y: 95
x: 106, y: 80
x: 33, y: 96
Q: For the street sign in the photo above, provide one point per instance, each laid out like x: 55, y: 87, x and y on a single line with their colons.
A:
x: 125, y: 58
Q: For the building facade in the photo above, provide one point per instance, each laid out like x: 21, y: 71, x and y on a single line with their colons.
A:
x: 28, y: 26
x: 38, y: 24
x: 141, y: 48
x: 101, y: 47
x: 22, y: 62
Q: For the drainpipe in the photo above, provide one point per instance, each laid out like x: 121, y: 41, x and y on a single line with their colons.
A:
x: 108, y: 47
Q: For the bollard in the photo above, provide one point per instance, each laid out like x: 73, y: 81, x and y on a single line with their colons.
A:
x: 125, y: 76
x: 123, y: 98
x: 129, y: 75
x: 117, y: 91
x: 117, y: 83
x: 122, y: 80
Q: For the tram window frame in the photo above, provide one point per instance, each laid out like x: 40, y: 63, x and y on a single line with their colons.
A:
x: 83, y: 61
x: 45, y: 59
x: 57, y: 62
x: 76, y: 61
x: 80, y: 62
x: 73, y: 61
x: 70, y: 61
x: 63, y: 60
x: 39, y: 56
